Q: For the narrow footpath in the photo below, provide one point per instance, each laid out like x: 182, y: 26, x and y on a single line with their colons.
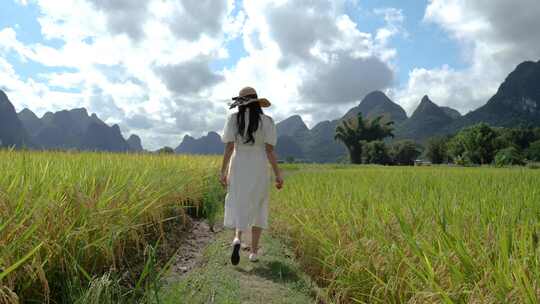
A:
x: 204, y: 274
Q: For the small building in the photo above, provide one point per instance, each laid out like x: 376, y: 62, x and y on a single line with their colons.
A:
x: 422, y: 162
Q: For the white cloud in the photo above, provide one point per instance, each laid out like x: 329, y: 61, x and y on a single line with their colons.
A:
x: 394, y: 19
x: 111, y: 49
x: 284, y: 64
x: 446, y: 87
x: 495, y: 36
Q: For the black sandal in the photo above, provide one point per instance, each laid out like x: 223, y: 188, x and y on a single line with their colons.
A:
x: 235, y: 256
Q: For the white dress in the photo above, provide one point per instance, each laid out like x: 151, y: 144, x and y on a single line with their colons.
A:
x: 246, y: 202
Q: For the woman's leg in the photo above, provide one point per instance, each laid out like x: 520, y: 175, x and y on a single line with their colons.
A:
x: 255, y: 237
x: 238, y: 235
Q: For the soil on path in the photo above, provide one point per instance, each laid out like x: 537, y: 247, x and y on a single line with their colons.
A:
x: 190, y: 251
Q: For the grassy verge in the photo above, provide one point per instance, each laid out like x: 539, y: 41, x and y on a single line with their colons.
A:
x: 275, y: 279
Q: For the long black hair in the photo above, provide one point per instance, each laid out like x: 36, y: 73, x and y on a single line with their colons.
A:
x: 255, y: 112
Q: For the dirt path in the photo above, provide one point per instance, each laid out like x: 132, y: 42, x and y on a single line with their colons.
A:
x: 206, y: 275
x: 190, y: 253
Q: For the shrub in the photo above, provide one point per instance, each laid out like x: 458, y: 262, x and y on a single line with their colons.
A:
x: 533, y: 165
x: 437, y: 150
x: 166, y: 150
x: 405, y: 152
x: 478, y: 143
x: 376, y: 152
x: 533, y: 152
x: 508, y: 157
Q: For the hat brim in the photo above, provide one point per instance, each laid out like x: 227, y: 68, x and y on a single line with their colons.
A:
x: 263, y: 102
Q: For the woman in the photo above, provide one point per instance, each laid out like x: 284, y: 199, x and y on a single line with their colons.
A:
x: 249, y: 137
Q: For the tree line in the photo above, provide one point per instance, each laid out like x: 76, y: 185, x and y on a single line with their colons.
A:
x: 480, y: 144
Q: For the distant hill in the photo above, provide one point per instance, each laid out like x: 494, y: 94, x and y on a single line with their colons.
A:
x: 73, y: 129
x: 451, y: 112
x: 12, y: 132
x: 375, y: 104
x: 318, y: 144
x: 291, y: 126
x: 66, y: 129
x: 134, y: 143
x: 101, y: 137
x: 209, y: 144
x: 30, y: 121
x: 292, y: 133
x: 287, y: 147
x: 427, y: 120
x: 517, y: 101
x: 60, y: 130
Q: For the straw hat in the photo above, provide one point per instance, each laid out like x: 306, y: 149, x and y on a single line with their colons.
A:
x: 246, y: 96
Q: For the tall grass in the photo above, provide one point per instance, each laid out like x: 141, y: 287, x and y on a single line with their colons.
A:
x: 86, y: 227
x: 415, y: 235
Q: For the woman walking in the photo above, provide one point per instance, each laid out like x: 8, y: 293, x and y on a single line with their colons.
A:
x: 249, y: 137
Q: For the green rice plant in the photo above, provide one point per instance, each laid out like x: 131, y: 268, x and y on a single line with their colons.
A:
x: 415, y: 235
x: 69, y: 219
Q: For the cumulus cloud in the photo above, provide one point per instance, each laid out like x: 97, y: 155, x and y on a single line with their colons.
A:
x: 446, y: 87
x: 162, y: 86
x: 498, y: 29
x: 194, y: 18
x: 394, y: 19
x: 104, y: 104
x: 495, y: 36
x: 188, y: 77
x: 139, y: 122
x: 318, y: 50
x: 124, y: 16
x: 346, y: 79
x: 298, y: 26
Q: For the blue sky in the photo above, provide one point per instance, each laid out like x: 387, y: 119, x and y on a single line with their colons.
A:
x: 166, y: 68
x: 424, y: 44
x: 24, y: 19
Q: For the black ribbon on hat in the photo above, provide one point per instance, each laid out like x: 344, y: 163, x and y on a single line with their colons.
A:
x: 239, y: 100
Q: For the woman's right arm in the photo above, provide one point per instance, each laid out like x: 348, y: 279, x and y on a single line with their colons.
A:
x: 228, y: 140
x: 229, y: 148
x: 272, y: 158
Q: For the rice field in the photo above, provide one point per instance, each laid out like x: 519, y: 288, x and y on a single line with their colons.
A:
x: 92, y: 227
x: 416, y: 234
x: 89, y: 227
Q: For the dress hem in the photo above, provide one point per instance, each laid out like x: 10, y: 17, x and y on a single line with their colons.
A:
x: 231, y: 226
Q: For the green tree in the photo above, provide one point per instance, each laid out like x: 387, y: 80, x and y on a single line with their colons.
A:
x: 166, y: 150
x: 405, y: 152
x: 533, y: 152
x: 508, y: 157
x: 437, y: 150
x: 376, y: 152
x: 354, y: 133
x: 520, y: 137
x: 476, y: 144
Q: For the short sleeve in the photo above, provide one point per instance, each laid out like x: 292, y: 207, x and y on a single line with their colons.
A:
x: 270, y: 132
x: 228, y: 130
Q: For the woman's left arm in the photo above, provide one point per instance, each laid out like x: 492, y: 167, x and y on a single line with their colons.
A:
x: 229, y: 148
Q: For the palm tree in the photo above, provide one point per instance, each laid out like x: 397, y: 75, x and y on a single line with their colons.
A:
x: 354, y: 134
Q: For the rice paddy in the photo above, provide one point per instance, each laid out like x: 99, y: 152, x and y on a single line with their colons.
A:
x: 88, y: 227
x: 415, y: 235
